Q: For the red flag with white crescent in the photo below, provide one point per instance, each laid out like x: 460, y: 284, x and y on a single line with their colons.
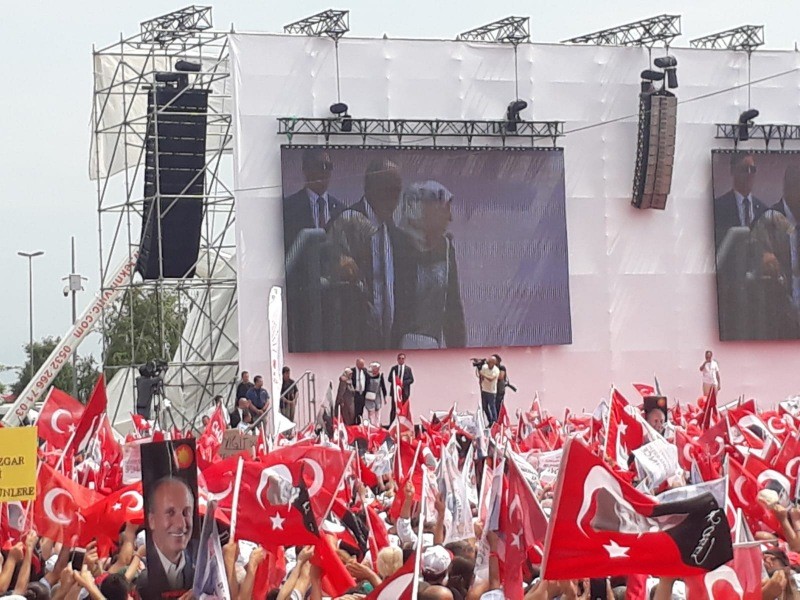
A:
x: 60, y: 505
x: 60, y: 415
x: 398, y: 585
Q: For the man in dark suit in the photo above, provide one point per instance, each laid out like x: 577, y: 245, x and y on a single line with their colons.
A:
x: 237, y: 414
x: 378, y: 260
x: 402, y: 372
x: 312, y: 207
x: 359, y: 377
x: 738, y: 207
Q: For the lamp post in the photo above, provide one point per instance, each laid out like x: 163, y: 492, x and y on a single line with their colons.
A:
x: 30, y: 256
x: 74, y: 285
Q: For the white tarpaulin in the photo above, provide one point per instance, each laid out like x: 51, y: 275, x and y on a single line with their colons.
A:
x: 642, y: 283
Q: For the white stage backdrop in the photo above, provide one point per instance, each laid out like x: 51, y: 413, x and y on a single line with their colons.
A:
x: 642, y: 283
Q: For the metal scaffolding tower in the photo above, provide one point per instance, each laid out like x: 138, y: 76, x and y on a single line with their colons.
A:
x: 194, y: 317
x: 746, y: 37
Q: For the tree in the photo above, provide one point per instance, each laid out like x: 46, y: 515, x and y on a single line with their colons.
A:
x: 88, y: 370
x: 147, y: 325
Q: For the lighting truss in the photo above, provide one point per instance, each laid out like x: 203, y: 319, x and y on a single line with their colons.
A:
x: 333, y: 23
x: 647, y: 32
x: 401, y: 129
x: 176, y: 25
x: 746, y: 37
x: 780, y: 132
x: 511, y: 30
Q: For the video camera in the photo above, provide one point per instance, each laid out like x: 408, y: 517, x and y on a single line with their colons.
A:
x: 153, y: 368
x: 478, y: 362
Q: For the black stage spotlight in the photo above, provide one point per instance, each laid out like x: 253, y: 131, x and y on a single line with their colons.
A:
x: 512, y: 114
x: 669, y: 64
x: 745, y: 120
x: 340, y: 110
x: 187, y: 67
x: 648, y: 77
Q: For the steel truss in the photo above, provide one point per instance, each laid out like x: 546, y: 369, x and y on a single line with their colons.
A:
x: 647, y: 32
x: 333, y: 23
x: 746, y: 37
x: 123, y: 74
x: 399, y: 130
x: 511, y: 30
x: 767, y: 133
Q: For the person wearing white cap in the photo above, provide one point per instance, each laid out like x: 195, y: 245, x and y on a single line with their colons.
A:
x: 435, y: 563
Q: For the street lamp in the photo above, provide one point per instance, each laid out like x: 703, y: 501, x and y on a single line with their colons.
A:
x: 30, y: 256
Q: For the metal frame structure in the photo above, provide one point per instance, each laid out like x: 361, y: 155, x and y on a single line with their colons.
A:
x: 332, y: 23
x: 420, y: 130
x: 511, y: 30
x: 123, y: 73
x: 746, y: 37
x: 647, y: 32
x: 777, y: 132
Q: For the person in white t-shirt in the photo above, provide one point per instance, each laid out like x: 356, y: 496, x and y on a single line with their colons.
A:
x: 710, y: 371
x: 488, y: 375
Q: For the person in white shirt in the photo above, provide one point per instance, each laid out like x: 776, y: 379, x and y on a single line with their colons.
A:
x: 488, y: 375
x: 710, y: 371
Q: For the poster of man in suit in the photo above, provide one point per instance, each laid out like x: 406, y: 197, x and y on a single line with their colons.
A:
x: 169, y: 483
x: 424, y: 248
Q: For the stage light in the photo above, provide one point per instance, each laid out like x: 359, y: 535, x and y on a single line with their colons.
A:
x: 187, y: 67
x: 512, y: 114
x: 650, y: 75
x: 669, y: 64
x: 745, y: 120
x: 346, y: 122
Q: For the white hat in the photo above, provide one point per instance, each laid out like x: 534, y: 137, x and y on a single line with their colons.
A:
x: 436, y: 560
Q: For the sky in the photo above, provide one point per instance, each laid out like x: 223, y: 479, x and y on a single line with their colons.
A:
x: 46, y: 196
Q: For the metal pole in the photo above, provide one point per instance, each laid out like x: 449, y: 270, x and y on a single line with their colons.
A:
x: 30, y: 311
x: 74, y: 318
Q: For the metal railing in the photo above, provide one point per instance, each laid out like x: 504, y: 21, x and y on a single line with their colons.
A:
x: 304, y: 408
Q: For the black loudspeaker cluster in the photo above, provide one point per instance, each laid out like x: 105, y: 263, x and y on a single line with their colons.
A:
x: 174, y: 178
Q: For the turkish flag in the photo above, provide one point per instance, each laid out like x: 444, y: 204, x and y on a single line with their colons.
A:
x: 105, y: 518
x: 743, y: 492
x: 323, y: 468
x: 740, y: 579
x: 58, y: 512
x: 602, y: 526
x: 645, y: 390
x: 60, y: 416
x: 787, y: 460
x: 398, y: 585
x: 404, y: 418
x: 710, y: 414
x: 90, y: 419
x: 523, y: 525
x: 274, y: 507
x: 142, y: 426
x: 625, y: 432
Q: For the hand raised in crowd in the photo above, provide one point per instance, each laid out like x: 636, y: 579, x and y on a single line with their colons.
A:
x: 257, y: 556
x: 305, y: 554
x: 775, y: 586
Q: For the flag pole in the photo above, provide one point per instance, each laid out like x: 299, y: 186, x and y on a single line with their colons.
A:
x: 235, y: 505
x: 417, y: 560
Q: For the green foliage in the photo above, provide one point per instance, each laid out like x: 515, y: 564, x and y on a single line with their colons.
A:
x: 87, y: 369
x: 138, y: 331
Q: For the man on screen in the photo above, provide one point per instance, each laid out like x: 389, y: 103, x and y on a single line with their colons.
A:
x: 170, y: 517
x: 312, y: 207
x: 738, y: 207
x: 378, y: 259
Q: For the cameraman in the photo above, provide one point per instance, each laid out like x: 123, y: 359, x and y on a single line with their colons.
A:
x: 488, y: 374
x: 502, y: 383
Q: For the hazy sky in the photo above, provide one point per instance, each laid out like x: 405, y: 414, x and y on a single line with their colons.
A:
x: 46, y: 195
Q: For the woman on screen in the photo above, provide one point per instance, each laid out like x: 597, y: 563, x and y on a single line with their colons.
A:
x: 439, y: 312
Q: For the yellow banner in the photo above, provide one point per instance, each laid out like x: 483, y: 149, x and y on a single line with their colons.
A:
x: 17, y: 463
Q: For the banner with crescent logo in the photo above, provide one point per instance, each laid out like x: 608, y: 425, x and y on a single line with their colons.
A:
x: 60, y: 415
x: 17, y: 463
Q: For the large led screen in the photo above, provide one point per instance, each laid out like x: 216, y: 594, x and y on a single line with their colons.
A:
x: 424, y: 248
x: 756, y: 206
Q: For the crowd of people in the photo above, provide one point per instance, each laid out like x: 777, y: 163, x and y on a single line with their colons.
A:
x: 458, y: 505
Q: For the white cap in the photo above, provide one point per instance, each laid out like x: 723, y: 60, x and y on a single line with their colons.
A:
x: 436, y: 560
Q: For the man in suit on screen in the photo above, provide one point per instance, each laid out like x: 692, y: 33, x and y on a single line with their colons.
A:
x: 378, y: 262
x: 311, y: 207
x: 738, y: 207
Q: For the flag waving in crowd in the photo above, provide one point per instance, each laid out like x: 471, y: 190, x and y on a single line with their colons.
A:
x: 450, y: 506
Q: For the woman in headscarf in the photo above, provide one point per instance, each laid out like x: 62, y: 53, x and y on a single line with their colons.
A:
x: 345, y: 398
x: 439, y: 312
